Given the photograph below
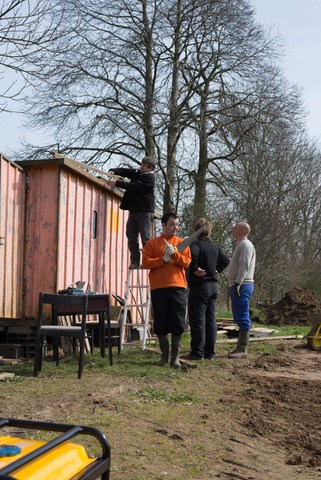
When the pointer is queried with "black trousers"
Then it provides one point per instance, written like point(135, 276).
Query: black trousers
point(138, 224)
point(202, 320)
point(169, 309)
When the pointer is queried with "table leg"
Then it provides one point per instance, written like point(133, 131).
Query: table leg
point(102, 334)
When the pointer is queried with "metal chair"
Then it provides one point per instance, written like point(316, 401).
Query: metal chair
point(78, 305)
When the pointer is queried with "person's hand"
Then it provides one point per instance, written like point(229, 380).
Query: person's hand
point(200, 272)
point(236, 289)
point(111, 183)
point(169, 248)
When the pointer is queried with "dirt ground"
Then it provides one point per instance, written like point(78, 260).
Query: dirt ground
point(293, 308)
point(250, 419)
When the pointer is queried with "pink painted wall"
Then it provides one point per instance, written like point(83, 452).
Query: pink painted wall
point(101, 261)
point(60, 248)
point(40, 271)
point(12, 211)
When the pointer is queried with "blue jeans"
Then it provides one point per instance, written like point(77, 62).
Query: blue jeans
point(241, 306)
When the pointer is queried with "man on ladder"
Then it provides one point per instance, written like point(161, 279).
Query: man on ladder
point(139, 199)
point(168, 285)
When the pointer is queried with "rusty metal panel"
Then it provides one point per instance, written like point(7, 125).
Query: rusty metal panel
point(41, 235)
point(75, 230)
point(12, 201)
point(91, 241)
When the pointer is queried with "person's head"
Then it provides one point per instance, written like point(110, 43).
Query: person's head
point(240, 231)
point(170, 224)
point(147, 164)
point(203, 222)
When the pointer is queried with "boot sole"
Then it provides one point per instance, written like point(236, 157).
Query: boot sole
point(237, 355)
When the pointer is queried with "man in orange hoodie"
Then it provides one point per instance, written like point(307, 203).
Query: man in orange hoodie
point(168, 286)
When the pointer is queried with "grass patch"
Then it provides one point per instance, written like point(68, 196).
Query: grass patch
point(132, 363)
point(264, 348)
point(224, 314)
point(286, 330)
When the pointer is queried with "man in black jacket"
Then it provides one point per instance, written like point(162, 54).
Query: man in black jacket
point(207, 261)
point(139, 199)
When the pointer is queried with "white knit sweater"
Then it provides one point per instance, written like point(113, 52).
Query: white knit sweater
point(242, 265)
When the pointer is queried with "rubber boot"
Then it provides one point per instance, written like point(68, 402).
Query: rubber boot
point(164, 346)
point(176, 347)
point(241, 348)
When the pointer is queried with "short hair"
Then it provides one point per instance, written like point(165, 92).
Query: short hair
point(201, 222)
point(245, 227)
point(167, 216)
point(150, 162)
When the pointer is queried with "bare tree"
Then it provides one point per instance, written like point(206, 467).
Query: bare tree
point(130, 77)
point(227, 55)
point(273, 185)
point(23, 29)
point(96, 83)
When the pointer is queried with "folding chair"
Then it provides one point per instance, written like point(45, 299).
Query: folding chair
point(74, 304)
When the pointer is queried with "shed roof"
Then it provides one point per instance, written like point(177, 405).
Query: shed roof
point(10, 161)
point(80, 168)
point(77, 167)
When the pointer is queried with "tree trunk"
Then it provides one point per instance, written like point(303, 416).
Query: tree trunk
point(199, 209)
point(149, 89)
point(173, 125)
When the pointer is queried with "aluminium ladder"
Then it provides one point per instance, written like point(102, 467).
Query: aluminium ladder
point(137, 296)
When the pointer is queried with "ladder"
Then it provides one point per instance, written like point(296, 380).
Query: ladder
point(137, 296)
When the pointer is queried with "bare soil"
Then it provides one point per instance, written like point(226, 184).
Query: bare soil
point(293, 308)
point(250, 419)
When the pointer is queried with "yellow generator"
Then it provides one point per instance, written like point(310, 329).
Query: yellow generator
point(314, 335)
point(58, 459)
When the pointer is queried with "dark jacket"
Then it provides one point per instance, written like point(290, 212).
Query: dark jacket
point(209, 257)
point(139, 192)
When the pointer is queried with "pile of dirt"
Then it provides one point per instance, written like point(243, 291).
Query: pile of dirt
point(293, 308)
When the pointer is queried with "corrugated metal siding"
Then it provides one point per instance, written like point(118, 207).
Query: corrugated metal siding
point(41, 235)
point(59, 245)
point(101, 261)
point(12, 201)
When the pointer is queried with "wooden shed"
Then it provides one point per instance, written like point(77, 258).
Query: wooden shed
point(12, 238)
point(59, 224)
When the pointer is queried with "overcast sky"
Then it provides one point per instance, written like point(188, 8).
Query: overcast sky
point(297, 21)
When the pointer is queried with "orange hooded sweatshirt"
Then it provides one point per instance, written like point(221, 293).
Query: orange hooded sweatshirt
point(165, 275)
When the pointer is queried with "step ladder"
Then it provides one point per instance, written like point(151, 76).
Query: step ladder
point(137, 298)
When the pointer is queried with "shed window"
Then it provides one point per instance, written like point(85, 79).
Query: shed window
point(94, 224)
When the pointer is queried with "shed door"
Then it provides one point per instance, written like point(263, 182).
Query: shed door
point(12, 220)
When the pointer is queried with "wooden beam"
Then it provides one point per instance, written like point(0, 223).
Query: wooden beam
point(263, 339)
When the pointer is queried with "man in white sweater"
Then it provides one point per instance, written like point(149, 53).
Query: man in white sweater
point(241, 285)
